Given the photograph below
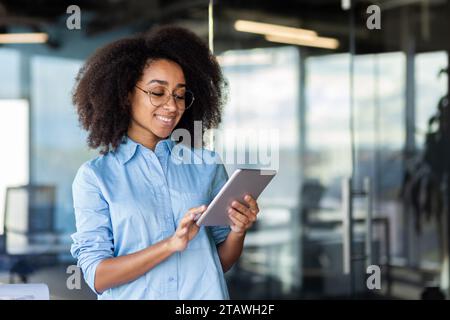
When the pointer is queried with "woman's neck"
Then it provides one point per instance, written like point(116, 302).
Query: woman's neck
point(147, 139)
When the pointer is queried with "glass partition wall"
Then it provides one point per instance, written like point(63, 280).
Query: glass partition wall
point(351, 121)
point(399, 61)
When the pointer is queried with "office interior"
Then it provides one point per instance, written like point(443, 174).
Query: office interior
point(360, 109)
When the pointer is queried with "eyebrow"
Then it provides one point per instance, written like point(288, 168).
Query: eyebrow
point(165, 83)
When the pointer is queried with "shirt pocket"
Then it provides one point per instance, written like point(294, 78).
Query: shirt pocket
point(183, 201)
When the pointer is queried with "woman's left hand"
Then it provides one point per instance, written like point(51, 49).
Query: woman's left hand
point(243, 215)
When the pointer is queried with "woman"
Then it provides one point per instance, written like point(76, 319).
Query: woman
point(134, 206)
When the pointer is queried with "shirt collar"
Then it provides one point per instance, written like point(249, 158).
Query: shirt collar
point(128, 147)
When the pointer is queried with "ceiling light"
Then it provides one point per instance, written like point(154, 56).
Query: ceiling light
point(273, 29)
point(23, 37)
point(318, 42)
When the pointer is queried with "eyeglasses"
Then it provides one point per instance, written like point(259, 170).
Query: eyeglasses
point(160, 95)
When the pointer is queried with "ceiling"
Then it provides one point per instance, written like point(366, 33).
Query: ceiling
point(424, 21)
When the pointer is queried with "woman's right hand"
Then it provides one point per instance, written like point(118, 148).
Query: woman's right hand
point(187, 229)
point(116, 271)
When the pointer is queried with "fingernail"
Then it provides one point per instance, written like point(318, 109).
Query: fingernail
point(230, 211)
point(247, 197)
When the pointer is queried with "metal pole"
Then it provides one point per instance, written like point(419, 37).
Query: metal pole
point(347, 232)
point(368, 242)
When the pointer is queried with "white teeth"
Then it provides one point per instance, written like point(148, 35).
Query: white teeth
point(165, 119)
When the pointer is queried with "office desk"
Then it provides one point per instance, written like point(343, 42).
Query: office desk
point(38, 249)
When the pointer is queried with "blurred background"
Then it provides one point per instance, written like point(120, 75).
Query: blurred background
point(357, 89)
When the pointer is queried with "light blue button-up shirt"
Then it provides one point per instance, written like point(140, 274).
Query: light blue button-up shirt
point(134, 197)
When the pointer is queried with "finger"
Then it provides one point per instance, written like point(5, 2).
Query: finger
point(182, 232)
point(251, 216)
point(239, 206)
point(184, 220)
point(239, 216)
point(187, 220)
point(193, 211)
point(237, 223)
point(200, 209)
point(252, 203)
point(192, 214)
point(185, 224)
point(198, 212)
point(194, 226)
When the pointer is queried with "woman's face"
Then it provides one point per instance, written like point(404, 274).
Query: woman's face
point(148, 120)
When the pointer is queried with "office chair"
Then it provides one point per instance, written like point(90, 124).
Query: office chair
point(28, 225)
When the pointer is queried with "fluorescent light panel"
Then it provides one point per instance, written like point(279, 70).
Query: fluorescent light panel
point(288, 35)
point(318, 42)
point(23, 37)
point(273, 29)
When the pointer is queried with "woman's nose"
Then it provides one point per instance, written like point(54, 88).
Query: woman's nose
point(170, 105)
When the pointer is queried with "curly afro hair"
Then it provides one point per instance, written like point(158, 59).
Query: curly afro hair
point(103, 83)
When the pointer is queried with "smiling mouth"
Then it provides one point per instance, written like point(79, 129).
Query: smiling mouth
point(165, 120)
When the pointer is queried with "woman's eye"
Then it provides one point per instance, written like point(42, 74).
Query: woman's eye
point(178, 97)
point(158, 94)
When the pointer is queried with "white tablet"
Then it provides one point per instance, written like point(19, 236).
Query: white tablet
point(241, 182)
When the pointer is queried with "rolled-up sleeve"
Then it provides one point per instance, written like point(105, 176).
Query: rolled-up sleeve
point(93, 239)
point(219, 233)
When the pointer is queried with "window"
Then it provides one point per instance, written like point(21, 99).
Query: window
point(14, 141)
point(9, 74)
point(59, 145)
point(430, 87)
point(263, 93)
